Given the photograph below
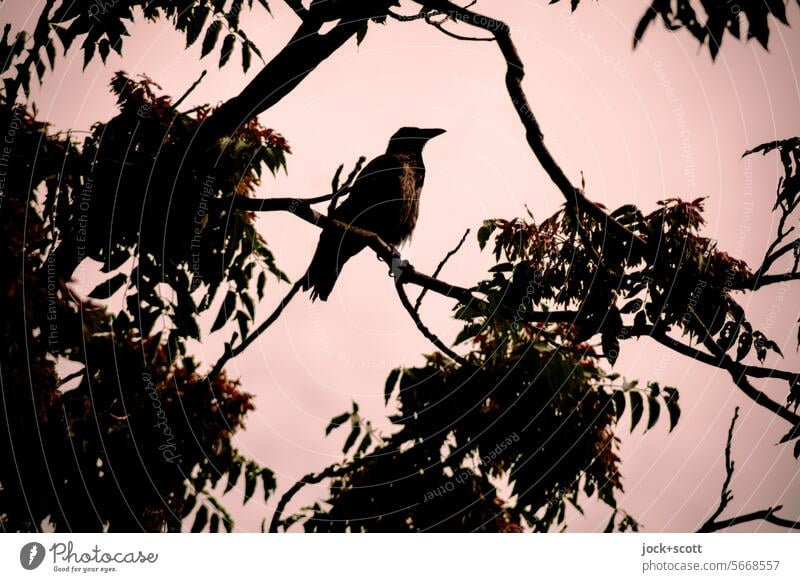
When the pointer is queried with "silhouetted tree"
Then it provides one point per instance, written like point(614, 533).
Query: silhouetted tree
point(111, 425)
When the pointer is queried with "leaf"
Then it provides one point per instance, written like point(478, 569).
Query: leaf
point(227, 49)
point(632, 306)
point(391, 382)
point(247, 301)
point(610, 525)
point(200, 519)
point(336, 422)
point(246, 56)
point(728, 335)
point(250, 481)
point(362, 33)
point(365, 443)
point(354, 433)
point(195, 25)
point(469, 331)
point(234, 473)
point(654, 412)
point(188, 505)
point(745, 343)
point(210, 39)
point(637, 408)
point(673, 408)
point(225, 311)
point(104, 48)
point(611, 329)
point(262, 281)
point(619, 403)
point(640, 320)
point(107, 288)
point(792, 434)
point(645, 21)
point(50, 49)
point(484, 232)
point(268, 480)
point(213, 525)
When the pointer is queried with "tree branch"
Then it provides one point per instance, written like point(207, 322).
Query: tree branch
point(738, 372)
point(439, 268)
point(726, 496)
point(231, 352)
point(302, 209)
point(434, 339)
point(310, 479)
point(515, 73)
point(764, 280)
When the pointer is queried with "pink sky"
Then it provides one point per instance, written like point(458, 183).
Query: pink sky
point(642, 126)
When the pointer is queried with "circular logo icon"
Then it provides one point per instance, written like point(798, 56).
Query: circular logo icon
point(31, 555)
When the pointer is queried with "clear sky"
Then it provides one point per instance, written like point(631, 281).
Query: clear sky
point(641, 125)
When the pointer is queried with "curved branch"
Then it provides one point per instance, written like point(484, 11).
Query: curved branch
point(726, 496)
point(738, 372)
point(310, 479)
point(434, 339)
point(515, 73)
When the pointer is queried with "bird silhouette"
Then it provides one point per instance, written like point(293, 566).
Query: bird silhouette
point(384, 199)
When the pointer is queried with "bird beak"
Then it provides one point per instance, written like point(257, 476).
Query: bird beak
point(431, 133)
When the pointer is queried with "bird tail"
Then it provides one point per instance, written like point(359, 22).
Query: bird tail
point(321, 274)
point(333, 251)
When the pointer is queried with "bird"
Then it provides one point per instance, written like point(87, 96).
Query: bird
point(384, 199)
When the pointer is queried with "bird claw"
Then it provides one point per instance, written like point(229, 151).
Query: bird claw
point(397, 267)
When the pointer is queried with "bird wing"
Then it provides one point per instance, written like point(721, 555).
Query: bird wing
point(379, 200)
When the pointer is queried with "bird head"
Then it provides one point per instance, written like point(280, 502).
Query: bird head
point(412, 138)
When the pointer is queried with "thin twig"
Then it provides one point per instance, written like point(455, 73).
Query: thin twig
point(515, 73)
point(72, 376)
point(233, 352)
point(188, 91)
point(310, 479)
point(339, 191)
point(738, 372)
point(726, 496)
point(432, 337)
point(439, 268)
